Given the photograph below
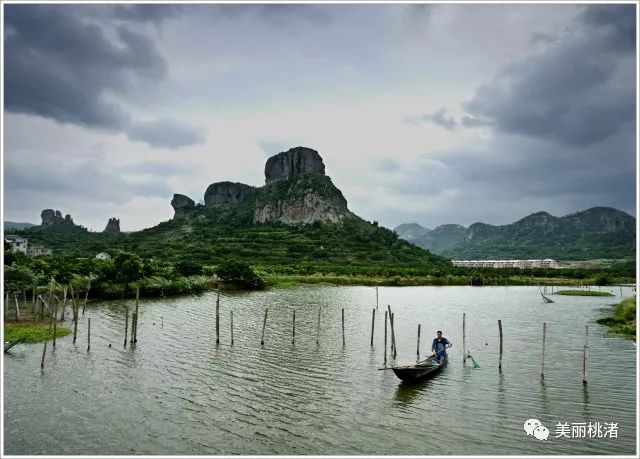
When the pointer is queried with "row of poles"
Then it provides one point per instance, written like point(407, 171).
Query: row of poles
point(388, 319)
point(76, 314)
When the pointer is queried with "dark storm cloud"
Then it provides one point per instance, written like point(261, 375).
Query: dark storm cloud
point(577, 92)
point(62, 66)
point(164, 133)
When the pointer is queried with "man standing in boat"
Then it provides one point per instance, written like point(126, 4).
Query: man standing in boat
point(439, 347)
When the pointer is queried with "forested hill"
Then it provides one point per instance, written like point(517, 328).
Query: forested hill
point(298, 222)
point(598, 232)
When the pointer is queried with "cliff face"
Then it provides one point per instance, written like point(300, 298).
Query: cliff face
point(296, 191)
point(113, 226)
point(51, 217)
point(288, 164)
point(307, 198)
point(228, 192)
point(181, 205)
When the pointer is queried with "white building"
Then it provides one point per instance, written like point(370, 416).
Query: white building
point(17, 244)
point(522, 264)
point(35, 250)
point(103, 256)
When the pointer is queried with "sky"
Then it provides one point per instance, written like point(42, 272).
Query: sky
point(435, 114)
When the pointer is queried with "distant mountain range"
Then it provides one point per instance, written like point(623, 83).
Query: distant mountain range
point(17, 226)
point(598, 232)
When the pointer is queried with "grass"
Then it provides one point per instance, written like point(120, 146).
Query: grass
point(583, 293)
point(32, 333)
point(623, 321)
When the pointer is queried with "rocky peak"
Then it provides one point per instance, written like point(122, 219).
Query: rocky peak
point(228, 192)
point(50, 217)
point(298, 160)
point(181, 205)
point(113, 226)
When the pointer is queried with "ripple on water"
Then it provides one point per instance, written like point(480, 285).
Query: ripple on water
point(176, 392)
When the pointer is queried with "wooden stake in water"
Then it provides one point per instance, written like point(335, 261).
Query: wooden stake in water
point(218, 317)
point(385, 336)
point(264, 325)
point(373, 323)
point(393, 334)
point(318, 330)
point(293, 336)
point(584, 354)
point(44, 352)
point(64, 304)
point(418, 348)
point(88, 334)
point(343, 343)
point(55, 324)
point(500, 358)
point(86, 296)
point(135, 331)
point(544, 340)
point(232, 327)
point(126, 325)
point(464, 337)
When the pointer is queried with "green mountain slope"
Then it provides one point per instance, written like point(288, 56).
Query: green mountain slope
point(599, 232)
point(298, 222)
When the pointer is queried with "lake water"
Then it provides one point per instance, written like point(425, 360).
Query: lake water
point(176, 392)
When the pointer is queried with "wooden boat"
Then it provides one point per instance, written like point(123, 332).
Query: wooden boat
point(423, 369)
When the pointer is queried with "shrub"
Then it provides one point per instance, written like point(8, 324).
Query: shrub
point(240, 274)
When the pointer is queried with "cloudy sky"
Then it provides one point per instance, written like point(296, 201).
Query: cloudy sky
point(423, 113)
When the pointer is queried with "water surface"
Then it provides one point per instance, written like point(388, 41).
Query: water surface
point(176, 392)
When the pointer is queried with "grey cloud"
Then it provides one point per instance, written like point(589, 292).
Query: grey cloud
point(98, 182)
point(154, 13)
point(438, 117)
point(576, 93)
point(164, 133)
point(62, 66)
point(474, 121)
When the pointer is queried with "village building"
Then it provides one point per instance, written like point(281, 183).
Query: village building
point(103, 256)
point(522, 264)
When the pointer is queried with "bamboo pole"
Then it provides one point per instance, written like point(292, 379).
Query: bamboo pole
point(44, 352)
point(15, 297)
point(88, 334)
point(6, 305)
point(55, 324)
point(393, 335)
point(343, 343)
point(584, 354)
point(86, 296)
point(135, 332)
point(318, 330)
point(126, 325)
point(264, 326)
point(218, 317)
point(464, 337)
point(232, 327)
point(293, 337)
point(418, 348)
point(385, 336)
point(376, 297)
point(64, 303)
point(544, 340)
point(373, 323)
point(500, 358)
